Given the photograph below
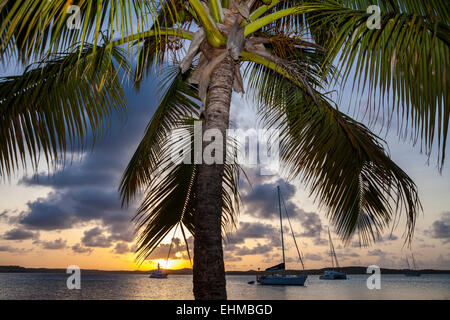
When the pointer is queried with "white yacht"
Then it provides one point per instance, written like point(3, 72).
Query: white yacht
point(278, 275)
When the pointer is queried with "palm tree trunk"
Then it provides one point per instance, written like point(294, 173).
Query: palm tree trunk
point(209, 270)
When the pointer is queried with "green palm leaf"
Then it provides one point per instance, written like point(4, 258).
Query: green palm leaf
point(170, 197)
point(405, 63)
point(179, 101)
point(340, 160)
point(55, 103)
point(29, 28)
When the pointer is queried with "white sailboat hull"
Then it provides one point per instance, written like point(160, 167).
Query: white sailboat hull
point(285, 280)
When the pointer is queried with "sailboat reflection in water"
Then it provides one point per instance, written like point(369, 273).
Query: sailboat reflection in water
point(279, 276)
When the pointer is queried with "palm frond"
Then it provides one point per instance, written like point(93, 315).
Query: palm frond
point(344, 165)
point(170, 197)
point(53, 105)
point(29, 28)
point(153, 49)
point(405, 63)
point(179, 101)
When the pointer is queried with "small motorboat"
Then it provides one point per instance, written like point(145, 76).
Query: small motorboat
point(251, 282)
point(158, 274)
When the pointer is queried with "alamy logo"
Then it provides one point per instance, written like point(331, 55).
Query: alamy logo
point(374, 21)
point(374, 281)
point(74, 20)
point(252, 148)
point(74, 281)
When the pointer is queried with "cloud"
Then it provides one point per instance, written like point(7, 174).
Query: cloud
point(19, 234)
point(95, 238)
point(390, 237)
point(376, 252)
point(7, 248)
point(262, 200)
point(440, 262)
point(228, 257)
point(54, 245)
point(440, 229)
point(177, 250)
point(67, 209)
point(313, 256)
point(311, 223)
point(4, 215)
point(234, 244)
point(258, 249)
point(85, 191)
point(349, 255)
point(357, 244)
point(78, 248)
point(121, 248)
point(253, 230)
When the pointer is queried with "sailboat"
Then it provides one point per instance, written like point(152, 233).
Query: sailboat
point(412, 272)
point(279, 276)
point(159, 274)
point(333, 274)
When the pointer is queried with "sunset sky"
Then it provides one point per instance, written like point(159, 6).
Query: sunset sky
point(74, 217)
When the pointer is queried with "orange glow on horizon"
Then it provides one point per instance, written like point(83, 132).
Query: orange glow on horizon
point(170, 264)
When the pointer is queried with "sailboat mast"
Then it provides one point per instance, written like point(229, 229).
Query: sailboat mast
point(414, 261)
point(281, 225)
point(331, 249)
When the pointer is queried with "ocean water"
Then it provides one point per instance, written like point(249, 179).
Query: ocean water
point(123, 286)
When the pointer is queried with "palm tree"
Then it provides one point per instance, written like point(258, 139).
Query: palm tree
point(290, 52)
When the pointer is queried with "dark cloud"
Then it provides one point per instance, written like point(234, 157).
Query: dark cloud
point(234, 247)
point(311, 224)
point(65, 210)
point(440, 229)
point(95, 238)
point(121, 248)
point(86, 191)
point(47, 214)
point(262, 201)
point(54, 245)
point(6, 248)
point(247, 230)
point(228, 257)
point(78, 248)
point(4, 215)
point(19, 234)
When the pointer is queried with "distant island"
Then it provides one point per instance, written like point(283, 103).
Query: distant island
point(188, 271)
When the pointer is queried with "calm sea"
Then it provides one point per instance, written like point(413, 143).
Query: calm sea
point(122, 286)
